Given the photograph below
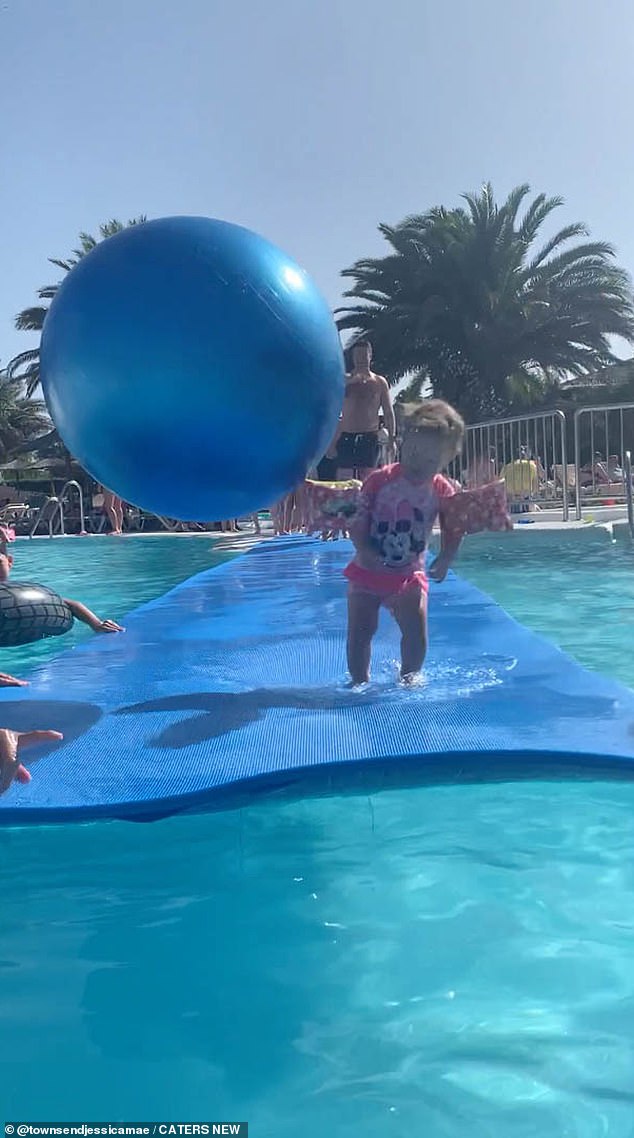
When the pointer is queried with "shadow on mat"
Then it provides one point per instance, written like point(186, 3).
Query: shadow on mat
point(219, 713)
point(72, 719)
point(222, 712)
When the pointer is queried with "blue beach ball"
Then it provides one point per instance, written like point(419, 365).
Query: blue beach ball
point(193, 368)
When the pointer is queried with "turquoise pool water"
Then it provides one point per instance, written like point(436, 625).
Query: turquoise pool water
point(112, 576)
point(442, 962)
point(578, 594)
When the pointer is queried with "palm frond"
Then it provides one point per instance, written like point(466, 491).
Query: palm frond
point(513, 202)
point(568, 233)
point(31, 319)
point(537, 213)
point(65, 266)
point(23, 360)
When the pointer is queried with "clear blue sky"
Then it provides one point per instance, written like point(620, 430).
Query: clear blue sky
point(308, 120)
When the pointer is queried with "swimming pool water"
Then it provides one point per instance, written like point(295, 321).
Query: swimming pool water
point(441, 961)
point(579, 595)
point(112, 576)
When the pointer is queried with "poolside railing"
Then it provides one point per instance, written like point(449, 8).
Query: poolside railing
point(52, 511)
point(47, 512)
point(603, 435)
point(64, 499)
point(529, 450)
point(627, 471)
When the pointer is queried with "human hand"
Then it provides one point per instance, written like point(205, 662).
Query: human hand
point(10, 742)
point(438, 571)
point(11, 682)
point(107, 626)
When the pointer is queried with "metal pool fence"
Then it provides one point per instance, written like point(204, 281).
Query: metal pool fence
point(602, 435)
point(528, 451)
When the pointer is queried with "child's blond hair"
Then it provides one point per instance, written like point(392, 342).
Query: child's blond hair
point(435, 416)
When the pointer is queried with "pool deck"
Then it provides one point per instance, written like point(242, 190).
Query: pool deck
point(607, 523)
point(241, 541)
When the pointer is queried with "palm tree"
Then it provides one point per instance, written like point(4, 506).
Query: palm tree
point(21, 418)
point(466, 302)
point(26, 365)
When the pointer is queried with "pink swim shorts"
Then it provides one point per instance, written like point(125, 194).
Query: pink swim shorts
point(386, 584)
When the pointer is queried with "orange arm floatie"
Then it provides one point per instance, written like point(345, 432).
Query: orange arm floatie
point(328, 504)
point(474, 511)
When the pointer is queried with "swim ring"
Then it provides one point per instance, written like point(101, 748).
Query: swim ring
point(30, 612)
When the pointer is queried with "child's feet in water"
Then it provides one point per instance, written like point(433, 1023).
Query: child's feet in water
point(352, 685)
point(412, 680)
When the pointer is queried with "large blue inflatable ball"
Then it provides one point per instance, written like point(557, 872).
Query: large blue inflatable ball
point(193, 368)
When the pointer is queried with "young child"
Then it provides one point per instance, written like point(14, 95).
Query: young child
point(79, 611)
point(399, 505)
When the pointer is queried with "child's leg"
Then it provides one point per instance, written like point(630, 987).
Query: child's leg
point(363, 620)
point(410, 612)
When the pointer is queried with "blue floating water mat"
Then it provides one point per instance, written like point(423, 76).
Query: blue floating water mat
point(231, 688)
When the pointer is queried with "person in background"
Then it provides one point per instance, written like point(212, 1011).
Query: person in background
point(356, 445)
point(541, 472)
point(386, 444)
point(483, 470)
point(286, 514)
point(79, 611)
point(521, 477)
point(595, 472)
point(113, 509)
point(326, 469)
point(615, 470)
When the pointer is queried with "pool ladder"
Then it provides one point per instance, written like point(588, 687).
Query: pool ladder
point(627, 479)
point(53, 506)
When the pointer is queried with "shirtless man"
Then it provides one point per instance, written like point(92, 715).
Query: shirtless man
point(356, 444)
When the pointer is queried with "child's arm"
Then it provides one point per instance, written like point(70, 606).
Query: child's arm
point(450, 535)
point(449, 546)
point(359, 531)
point(359, 526)
point(80, 612)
